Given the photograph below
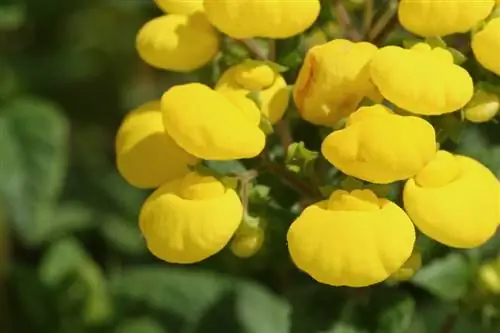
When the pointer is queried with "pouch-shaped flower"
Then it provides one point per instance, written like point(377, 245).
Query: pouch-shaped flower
point(421, 80)
point(333, 80)
point(177, 42)
point(256, 18)
point(486, 46)
point(352, 239)
point(432, 18)
point(380, 146)
point(182, 7)
point(208, 125)
point(190, 219)
point(483, 107)
point(146, 156)
point(454, 200)
point(261, 79)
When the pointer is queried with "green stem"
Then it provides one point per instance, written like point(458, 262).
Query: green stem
point(253, 48)
point(345, 22)
point(368, 16)
point(385, 24)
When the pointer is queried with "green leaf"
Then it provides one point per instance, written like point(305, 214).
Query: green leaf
point(141, 325)
point(436, 42)
point(61, 261)
point(458, 57)
point(447, 278)
point(123, 235)
point(12, 15)
point(33, 146)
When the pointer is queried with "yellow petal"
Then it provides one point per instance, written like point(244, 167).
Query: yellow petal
point(333, 80)
point(486, 46)
point(182, 7)
point(208, 125)
point(440, 18)
point(379, 146)
point(425, 82)
point(270, 88)
point(483, 107)
point(351, 247)
point(187, 229)
point(177, 42)
point(256, 18)
point(462, 212)
point(146, 156)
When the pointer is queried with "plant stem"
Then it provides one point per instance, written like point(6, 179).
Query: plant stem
point(368, 16)
point(345, 22)
point(385, 24)
point(271, 50)
point(253, 48)
point(245, 179)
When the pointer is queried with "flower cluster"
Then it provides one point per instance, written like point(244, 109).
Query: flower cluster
point(385, 97)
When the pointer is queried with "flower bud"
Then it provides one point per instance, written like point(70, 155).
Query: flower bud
point(483, 107)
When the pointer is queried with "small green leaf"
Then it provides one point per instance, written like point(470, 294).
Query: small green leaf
point(255, 97)
point(458, 57)
point(265, 125)
point(33, 146)
point(447, 278)
point(350, 183)
point(436, 42)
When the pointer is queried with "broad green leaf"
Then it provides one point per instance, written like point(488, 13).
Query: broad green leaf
point(123, 235)
point(447, 278)
point(182, 292)
point(33, 146)
point(12, 15)
point(259, 311)
point(140, 325)
point(60, 261)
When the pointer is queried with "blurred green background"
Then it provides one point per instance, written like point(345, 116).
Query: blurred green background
point(72, 259)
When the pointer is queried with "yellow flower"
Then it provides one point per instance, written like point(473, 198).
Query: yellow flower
point(454, 200)
point(208, 125)
point(353, 239)
point(483, 107)
point(190, 219)
point(333, 80)
point(256, 18)
point(379, 146)
point(440, 18)
point(486, 46)
point(177, 42)
point(421, 80)
point(146, 156)
point(256, 77)
point(182, 7)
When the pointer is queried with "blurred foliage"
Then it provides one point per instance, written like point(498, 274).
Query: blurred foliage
point(71, 255)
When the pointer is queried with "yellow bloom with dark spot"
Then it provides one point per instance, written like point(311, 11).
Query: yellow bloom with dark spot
point(146, 156)
point(177, 42)
point(486, 46)
point(454, 200)
point(182, 7)
point(441, 18)
point(260, 78)
point(190, 219)
point(421, 80)
point(256, 18)
point(208, 125)
point(352, 239)
point(333, 80)
point(381, 147)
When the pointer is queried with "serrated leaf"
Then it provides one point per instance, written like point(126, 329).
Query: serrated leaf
point(33, 147)
point(447, 278)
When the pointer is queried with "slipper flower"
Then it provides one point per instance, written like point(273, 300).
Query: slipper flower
point(256, 18)
point(256, 77)
point(146, 156)
point(182, 7)
point(177, 42)
point(380, 146)
point(421, 80)
point(441, 18)
point(333, 80)
point(486, 46)
point(208, 125)
point(454, 200)
point(352, 239)
point(190, 219)
point(483, 107)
